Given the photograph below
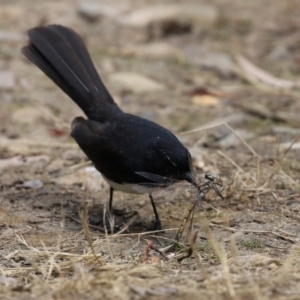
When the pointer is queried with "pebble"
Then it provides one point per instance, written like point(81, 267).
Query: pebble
point(219, 62)
point(73, 154)
point(39, 160)
point(33, 184)
point(175, 13)
point(150, 15)
point(157, 21)
point(155, 50)
point(8, 36)
point(7, 80)
point(92, 11)
point(29, 115)
point(89, 178)
point(136, 82)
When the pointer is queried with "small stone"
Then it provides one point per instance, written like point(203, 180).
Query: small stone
point(8, 281)
point(7, 80)
point(146, 16)
point(216, 61)
point(36, 164)
point(39, 161)
point(156, 21)
point(89, 178)
point(108, 67)
point(33, 184)
point(28, 115)
point(9, 232)
point(8, 36)
point(92, 11)
point(279, 52)
point(73, 154)
point(55, 166)
point(136, 82)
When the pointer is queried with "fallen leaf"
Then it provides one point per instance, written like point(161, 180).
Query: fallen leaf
point(206, 100)
point(57, 132)
point(207, 91)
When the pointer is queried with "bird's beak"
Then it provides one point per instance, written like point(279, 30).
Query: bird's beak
point(189, 177)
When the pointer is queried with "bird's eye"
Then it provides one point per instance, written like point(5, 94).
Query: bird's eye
point(210, 176)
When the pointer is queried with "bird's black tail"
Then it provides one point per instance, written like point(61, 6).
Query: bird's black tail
point(61, 54)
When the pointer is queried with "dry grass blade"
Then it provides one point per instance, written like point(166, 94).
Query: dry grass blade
point(210, 182)
point(258, 231)
point(277, 167)
point(134, 216)
point(265, 112)
point(229, 127)
point(186, 217)
point(252, 249)
point(231, 161)
point(220, 252)
point(253, 71)
point(83, 217)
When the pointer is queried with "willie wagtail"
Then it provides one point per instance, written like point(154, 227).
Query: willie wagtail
point(123, 147)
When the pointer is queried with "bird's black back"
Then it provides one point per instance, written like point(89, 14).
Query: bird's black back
point(119, 144)
point(133, 144)
point(61, 54)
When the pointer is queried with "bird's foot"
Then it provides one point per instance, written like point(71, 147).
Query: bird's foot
point(123, 213)
point(156, 225)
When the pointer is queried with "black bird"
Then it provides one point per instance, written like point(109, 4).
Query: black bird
point(123, 147)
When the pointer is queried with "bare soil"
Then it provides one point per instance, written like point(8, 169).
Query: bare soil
point(243, 247)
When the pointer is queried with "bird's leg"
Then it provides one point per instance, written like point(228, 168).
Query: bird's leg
point(118, 212)
point(157, 223)
point(111, 193)
point(111, 211)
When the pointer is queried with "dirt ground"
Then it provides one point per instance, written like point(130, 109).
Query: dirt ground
point(227, 70)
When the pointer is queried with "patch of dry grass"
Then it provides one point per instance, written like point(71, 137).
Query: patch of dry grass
point(245, 247)
point(221, 263)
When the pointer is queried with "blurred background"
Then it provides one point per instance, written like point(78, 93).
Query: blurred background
point(181, 63)
point(227, 70)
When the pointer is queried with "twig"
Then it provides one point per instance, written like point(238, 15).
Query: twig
point(150, 246)
point(256, 231)
point(83, 218)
